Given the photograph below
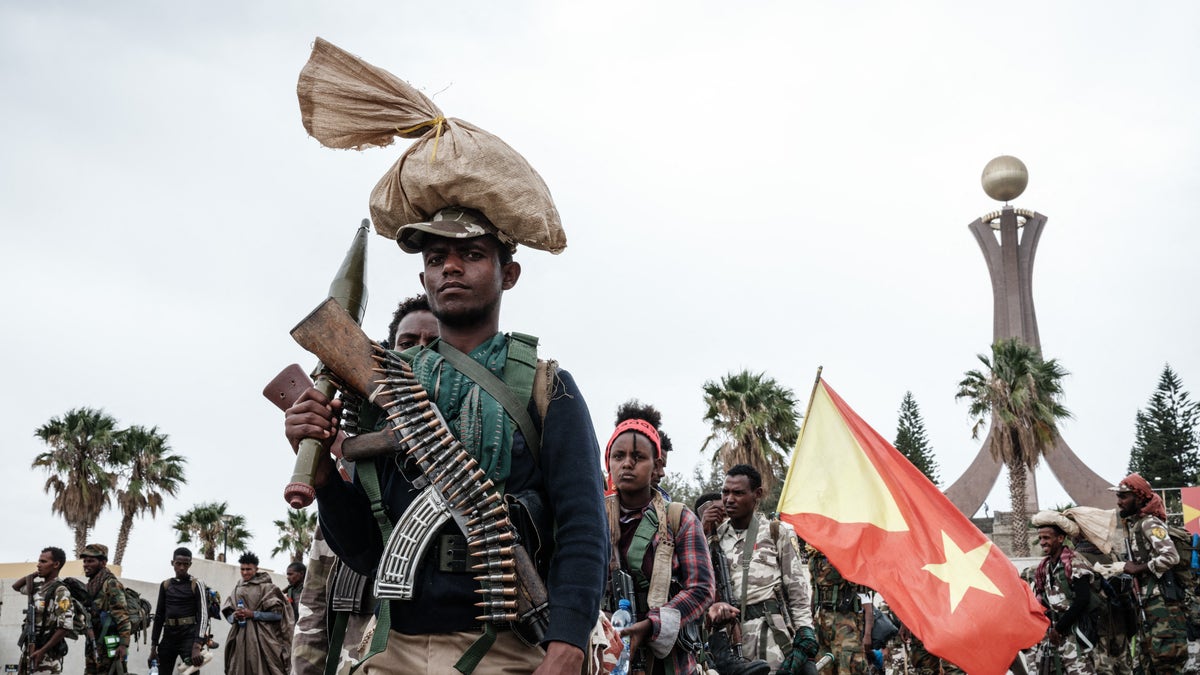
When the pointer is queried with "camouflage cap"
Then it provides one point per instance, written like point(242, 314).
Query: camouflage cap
point(452, 222)
point(94, 551)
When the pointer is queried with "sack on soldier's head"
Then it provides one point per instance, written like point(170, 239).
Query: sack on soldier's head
point(346, 102)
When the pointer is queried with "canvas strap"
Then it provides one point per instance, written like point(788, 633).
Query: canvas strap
point(500, 391)
point(747, 553)
point(369, 479)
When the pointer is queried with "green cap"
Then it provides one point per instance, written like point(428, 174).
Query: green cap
point(94, 551)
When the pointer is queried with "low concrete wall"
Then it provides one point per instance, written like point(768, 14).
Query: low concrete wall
point(219, 576)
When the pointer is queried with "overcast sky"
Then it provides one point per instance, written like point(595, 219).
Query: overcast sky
point(773, 186)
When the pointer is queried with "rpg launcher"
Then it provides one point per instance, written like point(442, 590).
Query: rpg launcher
point(349, 292)
point(452, 484)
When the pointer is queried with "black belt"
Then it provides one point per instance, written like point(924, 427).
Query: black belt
point(182, 621)
point(760, 609)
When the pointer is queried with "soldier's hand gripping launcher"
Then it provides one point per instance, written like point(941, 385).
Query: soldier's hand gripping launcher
point(455, 486)
point(349, 292)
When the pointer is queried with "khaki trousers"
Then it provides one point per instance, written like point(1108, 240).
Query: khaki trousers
point(438, 653)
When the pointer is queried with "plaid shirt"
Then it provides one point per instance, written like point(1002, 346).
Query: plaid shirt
point(691, 566)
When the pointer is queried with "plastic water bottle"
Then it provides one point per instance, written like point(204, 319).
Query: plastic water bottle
point(154, 667)
point(241, 605)
point(622, 619)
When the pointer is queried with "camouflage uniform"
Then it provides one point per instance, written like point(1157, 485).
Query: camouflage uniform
point(1166, 621)
point(310, 642)
point(839, 617)
point(1070, 656)
point(50, 614)
point(109, 616)
point(1111, 655)
point(776, 578)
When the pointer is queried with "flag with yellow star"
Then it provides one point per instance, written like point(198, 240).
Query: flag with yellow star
point(882, 523)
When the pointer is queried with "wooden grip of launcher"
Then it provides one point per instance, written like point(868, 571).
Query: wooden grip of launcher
point(336, 339)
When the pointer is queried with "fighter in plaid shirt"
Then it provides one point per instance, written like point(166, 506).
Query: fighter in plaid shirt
point(639, 519)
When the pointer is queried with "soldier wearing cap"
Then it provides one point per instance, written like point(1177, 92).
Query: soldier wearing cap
point(1152, 554)
point(467, 266)
point(110, 618)
point(1063, 584)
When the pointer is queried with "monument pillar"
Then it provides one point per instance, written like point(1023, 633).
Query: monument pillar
point(1009, 239)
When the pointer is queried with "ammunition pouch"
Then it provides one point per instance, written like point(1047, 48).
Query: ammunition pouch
point(528, 514)
point(1170, 588)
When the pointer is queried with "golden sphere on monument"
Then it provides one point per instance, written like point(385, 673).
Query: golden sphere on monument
point(1004, 178)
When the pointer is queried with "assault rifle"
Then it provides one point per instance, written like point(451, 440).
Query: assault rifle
point(1143, 630)
point(720, 564)
point(29, 634)
point(622, 588)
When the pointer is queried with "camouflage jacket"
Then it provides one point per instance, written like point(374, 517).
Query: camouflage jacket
point(54, 612)
point(109, 613)
point(1150, 543)
point(831, 590)
point(775, 568)
point(1055, 589)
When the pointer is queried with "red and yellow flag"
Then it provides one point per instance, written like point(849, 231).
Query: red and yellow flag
point(884, 525)
point(1191, 508)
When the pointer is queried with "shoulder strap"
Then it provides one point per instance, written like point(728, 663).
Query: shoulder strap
point(674, 517)
point(498, 390)
point(748, 552)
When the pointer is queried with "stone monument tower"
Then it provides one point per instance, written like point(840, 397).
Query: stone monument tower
point(1009, 239)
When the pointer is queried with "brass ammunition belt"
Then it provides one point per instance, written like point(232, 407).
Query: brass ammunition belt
point(421, 437)
point(182, 621)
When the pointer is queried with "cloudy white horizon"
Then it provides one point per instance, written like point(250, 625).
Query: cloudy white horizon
point(772, 185)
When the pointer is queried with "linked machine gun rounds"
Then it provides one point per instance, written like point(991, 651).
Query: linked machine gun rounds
point(452, 485)
point(349, 292)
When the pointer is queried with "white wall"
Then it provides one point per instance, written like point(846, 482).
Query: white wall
point(219, 576)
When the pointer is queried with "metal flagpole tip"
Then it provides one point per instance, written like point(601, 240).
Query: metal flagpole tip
point(1004, 178)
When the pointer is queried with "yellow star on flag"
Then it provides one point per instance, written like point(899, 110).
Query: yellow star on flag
point(962, 570)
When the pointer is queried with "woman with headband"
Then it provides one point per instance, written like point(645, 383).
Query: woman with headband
point(659, 545)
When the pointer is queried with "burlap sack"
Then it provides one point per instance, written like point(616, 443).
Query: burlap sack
point(1098, 525)
point(346, 102)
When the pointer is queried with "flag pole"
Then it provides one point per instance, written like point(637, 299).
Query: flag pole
point(804, 423)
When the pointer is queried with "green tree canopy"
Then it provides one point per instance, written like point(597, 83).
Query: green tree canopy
point(78, 461)
point(149, 470)
point(210, 524)
point(1166, 450)
point(912, 441)
point(754, 421)
point(1019, 392)
point(296, 533)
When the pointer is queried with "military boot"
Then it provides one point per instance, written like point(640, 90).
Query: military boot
point(728, 661)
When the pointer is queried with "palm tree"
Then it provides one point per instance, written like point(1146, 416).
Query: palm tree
point(1019, 393)
point(295, 533)
point(78, 463)
point(755, 421)
point(150, 470)
point(209, 524)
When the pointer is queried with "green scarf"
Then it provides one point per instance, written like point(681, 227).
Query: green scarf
point(476, 419)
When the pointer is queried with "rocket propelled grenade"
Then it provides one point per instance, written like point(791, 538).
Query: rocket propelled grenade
point(349, 291)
